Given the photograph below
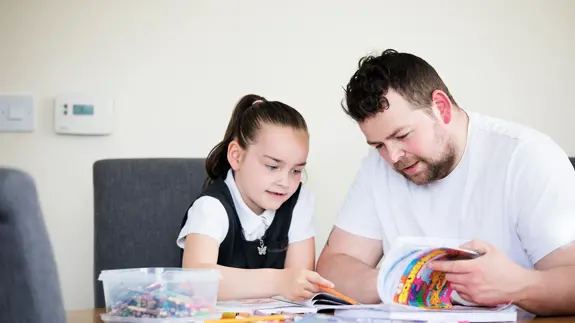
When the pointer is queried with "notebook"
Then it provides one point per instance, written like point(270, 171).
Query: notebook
point(502, 313)
point(279, 304)
point(319, 299)
point(325, 301)
point(250, 305)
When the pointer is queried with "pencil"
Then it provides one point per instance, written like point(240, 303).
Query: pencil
point(250, 319)
point(338, 294)
point(230, 315)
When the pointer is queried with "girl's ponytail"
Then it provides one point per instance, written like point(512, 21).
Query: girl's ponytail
point(217, 164)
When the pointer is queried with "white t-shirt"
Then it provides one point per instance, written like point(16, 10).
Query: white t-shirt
point(514, 188)
point(208, 216)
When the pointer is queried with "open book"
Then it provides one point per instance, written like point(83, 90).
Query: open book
point(278, 304)
point(322, 301)
point(328, 299)
point(405, 279)
point(250, 305)
point(412, 291)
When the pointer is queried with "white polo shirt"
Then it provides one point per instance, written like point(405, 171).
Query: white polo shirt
point(514, 188)
point(208, 216)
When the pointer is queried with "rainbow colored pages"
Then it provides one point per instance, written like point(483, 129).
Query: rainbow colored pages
point(404, 278)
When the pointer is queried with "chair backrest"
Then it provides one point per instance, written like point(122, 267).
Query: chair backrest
point(29, 282)
point(572, 159)
point(139, 205)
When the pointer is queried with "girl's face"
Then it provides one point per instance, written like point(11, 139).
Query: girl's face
point(269, 170)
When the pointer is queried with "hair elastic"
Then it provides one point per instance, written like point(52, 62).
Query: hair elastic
point(257, 102)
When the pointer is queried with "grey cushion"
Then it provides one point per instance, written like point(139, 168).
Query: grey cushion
point(139, 205)
point(29, 282)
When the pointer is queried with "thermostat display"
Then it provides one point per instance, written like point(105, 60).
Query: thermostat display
point(83, 115)
point(83, 110)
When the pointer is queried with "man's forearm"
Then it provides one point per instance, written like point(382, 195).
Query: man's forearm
point(550, 292)
point(351, 277)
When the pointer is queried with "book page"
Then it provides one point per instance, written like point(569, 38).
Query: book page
point(288, 310)
point(323, 300)
point(406, 280)
point(306, 303)
point(250, 304)
point(327, 299)
point(411, 313)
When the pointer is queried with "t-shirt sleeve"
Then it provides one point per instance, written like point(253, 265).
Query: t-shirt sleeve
point(543, 193)
point(206, 216)
point(302, 225)
point(358, 214)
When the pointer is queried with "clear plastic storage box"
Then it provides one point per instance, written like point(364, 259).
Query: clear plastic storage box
point(160, 294)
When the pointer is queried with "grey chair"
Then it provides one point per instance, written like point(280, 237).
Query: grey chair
point(29, 282)
point(139, 205)
point(572, 159)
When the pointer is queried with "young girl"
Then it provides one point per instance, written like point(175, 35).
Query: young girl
point(253, 220)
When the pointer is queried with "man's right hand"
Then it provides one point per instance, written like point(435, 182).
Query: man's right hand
point(301, 284)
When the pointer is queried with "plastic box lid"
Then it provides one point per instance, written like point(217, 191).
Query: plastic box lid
point(120, 319)
point(165, 274)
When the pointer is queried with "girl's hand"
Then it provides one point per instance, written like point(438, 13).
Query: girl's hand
point(301, 284)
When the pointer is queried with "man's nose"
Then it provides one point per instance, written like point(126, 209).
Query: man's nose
point(395, 153)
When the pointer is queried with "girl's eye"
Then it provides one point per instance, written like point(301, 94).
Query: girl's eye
point(297, 171)
point(272, 167)
point(378, 146)
point(403, 136)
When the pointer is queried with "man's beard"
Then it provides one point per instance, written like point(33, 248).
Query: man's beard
point(433, 169)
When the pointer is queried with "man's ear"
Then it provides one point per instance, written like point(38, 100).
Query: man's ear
point(235, 152)
point(443, 105)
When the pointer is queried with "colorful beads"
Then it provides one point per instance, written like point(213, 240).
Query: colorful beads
point(157, 302)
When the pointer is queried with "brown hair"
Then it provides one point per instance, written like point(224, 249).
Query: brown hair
point(248, 115)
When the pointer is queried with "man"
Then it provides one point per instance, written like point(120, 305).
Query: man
point(437, 170)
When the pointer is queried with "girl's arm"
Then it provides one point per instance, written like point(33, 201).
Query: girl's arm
point(201, 251)
point(294, 282)
point(301, 255)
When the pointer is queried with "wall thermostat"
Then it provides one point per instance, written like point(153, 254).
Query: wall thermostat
point(84, 115)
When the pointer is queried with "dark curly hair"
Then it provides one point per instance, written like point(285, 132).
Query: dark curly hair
point(410, 76)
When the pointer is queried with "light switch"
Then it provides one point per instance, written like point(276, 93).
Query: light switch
point(17, 113)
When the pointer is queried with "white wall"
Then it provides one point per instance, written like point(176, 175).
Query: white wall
point(168, 62)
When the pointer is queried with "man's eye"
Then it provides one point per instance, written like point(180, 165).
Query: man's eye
point(403, 136)
point(272, 167)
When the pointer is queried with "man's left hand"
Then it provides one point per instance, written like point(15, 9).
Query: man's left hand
point(488, 280)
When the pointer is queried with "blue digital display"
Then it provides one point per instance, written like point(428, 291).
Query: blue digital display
point(83, 110)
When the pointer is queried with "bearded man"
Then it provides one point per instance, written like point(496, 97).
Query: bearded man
point(437, 170)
